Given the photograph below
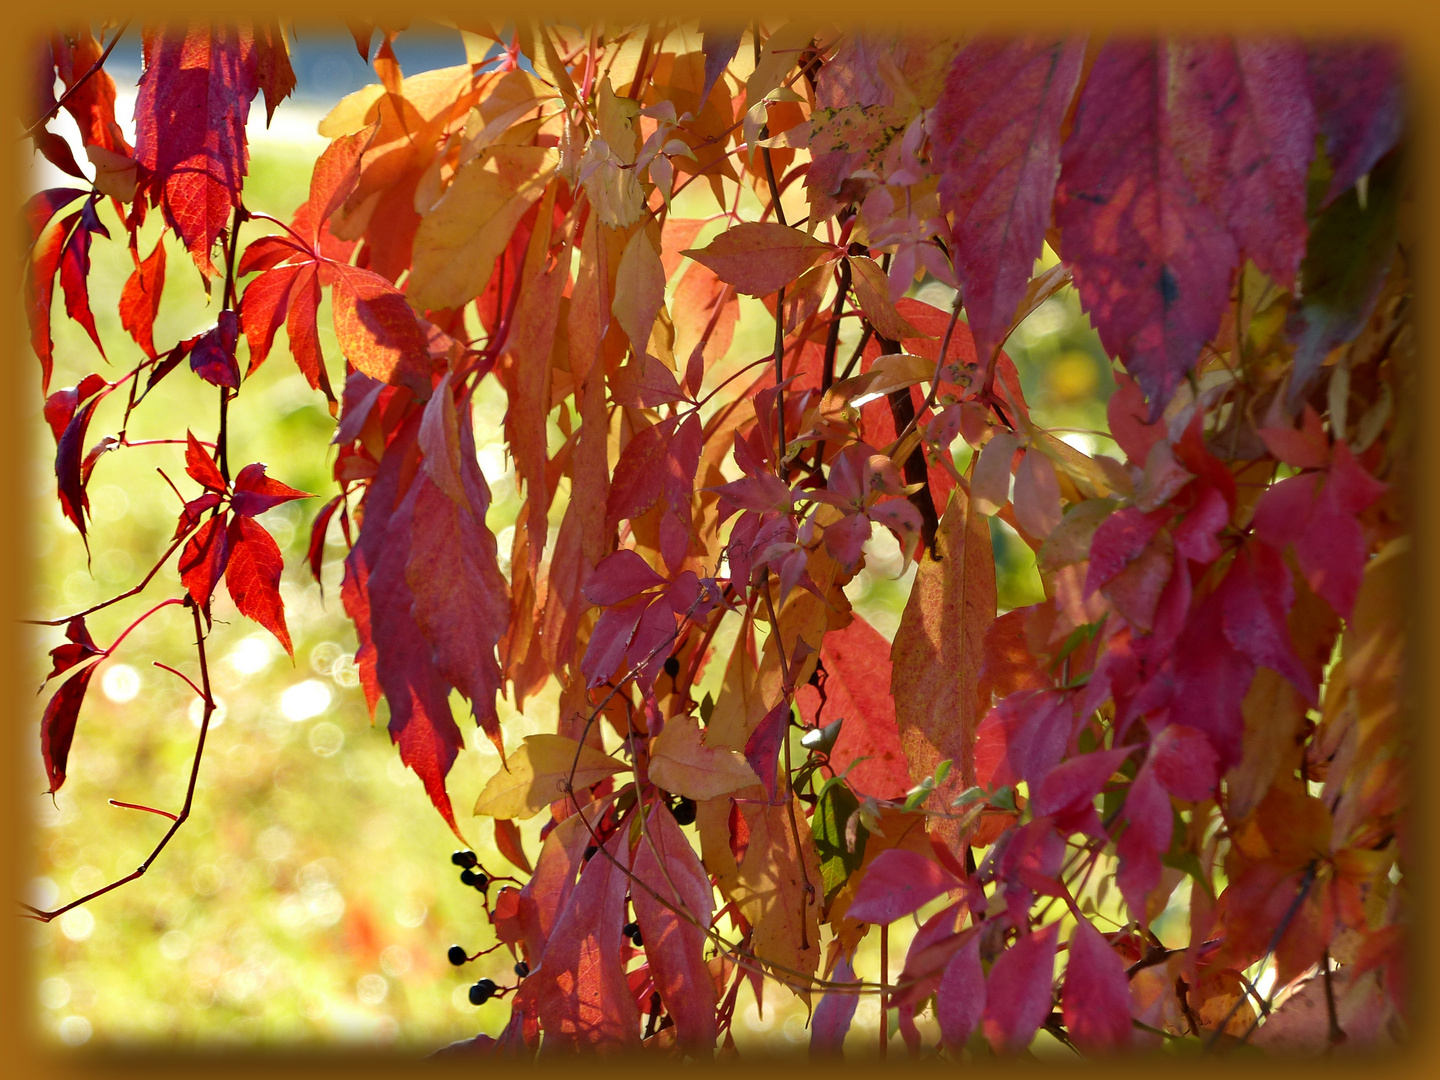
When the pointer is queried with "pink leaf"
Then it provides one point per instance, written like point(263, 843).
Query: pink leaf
point(618, 577)
point(1095, 1000)
point(675, 947)
point(833, 1015)
point(1151, 260)
point(897, 883)
point(997, 144)
point(1018, 993)
point(960, 998)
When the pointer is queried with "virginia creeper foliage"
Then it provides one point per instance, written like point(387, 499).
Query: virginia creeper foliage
point(1210, 692)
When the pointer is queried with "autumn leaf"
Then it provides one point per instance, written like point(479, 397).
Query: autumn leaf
point(57, 726)
point(997, 145)
point(459, 240)
point(760, 257)
point(534, 776)
point(377, 331)
point(674, 946)
point(196, 165)
point(1151, 260)
point(897, 883)
point(937, 648)
point(1018, 992)
point(681, 763)
point(583, 999)
point(252, 574)
point(1095, 1000)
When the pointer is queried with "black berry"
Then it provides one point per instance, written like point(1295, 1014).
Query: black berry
point(684, 811)
point(589, 851)
point(672, 666)
point(464, 859)
point(457, 955)
point(481, 882)
point(632, 931)
point(467, 877)
point(522, 969)
point(482, 991)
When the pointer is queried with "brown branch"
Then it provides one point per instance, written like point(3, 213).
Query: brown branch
point(178, 819)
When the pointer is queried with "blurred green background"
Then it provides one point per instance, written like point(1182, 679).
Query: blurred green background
point(310, 897)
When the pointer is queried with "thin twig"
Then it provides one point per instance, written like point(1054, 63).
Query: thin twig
point(180, 818)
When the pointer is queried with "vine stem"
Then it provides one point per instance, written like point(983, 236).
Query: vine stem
point(177, 819)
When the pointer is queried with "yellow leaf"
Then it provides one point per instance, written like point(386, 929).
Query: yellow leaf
point(681, 763)
point(536, 773)
point(639, 290)
point(896, 371)
point(458, 242)
point(872, 289)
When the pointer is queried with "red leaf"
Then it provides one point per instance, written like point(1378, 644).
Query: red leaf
point(301, 329)
point(682, 463)
point(760, 257)
point(1068, 790)
point(57, 151)
point(610, 639)
point(997, 144)
point(140, 299)
point(1258, 594)
point(1127, 412)
point(192, 511)
point(1019, 995)
point(544, 896)
point(1329, 543)
point(92, 102)
point(510, 844)
point(40, 289)
point(1210, 681)
point(583, 999)
point(315, 553)
point(833, 1015)
point(461, 600)
point(675, 947)
point(1151, 261)
point(81, 647)
point(213, 355)
point(762, 748)
point(263, 308)
point(898, 882)
point(960, 997)
point(75, 271)
point(272, 65)
point(57, 726)
point(420, 720)
point(203, 559)
point(332, 181)
point(201, 467)
point(69, 465)
point(376, 330)
point(41, 208)
point(1358, 104)
point(639, 476)
point(1118, 541)
point(253, 576)
point(1184, 763)
point(1244, 128)
point(190, 113)
point(619, 576)
point(255, 492)
point(856, 685)
point(1095, 1000)
point(1022, 738)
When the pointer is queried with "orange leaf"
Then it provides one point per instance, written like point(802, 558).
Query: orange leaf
point(760, 257)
